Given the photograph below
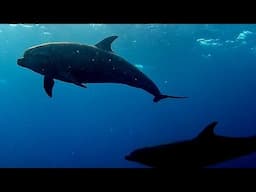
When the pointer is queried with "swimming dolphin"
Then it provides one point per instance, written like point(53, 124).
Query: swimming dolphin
point(204, 150)
point(80, 64)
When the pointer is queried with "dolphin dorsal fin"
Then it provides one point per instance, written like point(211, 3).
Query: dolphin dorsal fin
point(208, 130)
point(105, 44)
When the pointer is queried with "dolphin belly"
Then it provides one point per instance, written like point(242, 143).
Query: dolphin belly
point(116, 72)
point(97, 66)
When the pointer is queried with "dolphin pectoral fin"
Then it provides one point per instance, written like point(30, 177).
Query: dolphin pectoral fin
point(160, 97)
point(48, 85)
point(72, 79)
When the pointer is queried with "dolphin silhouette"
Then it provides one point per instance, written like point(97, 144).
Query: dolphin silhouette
point(80, 64)
point(204, 150)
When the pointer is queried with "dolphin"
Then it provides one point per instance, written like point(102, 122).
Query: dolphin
point(81, 64)
point(204, 150)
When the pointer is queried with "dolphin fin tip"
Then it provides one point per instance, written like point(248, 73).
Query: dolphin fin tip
point(160, 97)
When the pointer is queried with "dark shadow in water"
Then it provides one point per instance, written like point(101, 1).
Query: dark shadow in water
point(206, 149)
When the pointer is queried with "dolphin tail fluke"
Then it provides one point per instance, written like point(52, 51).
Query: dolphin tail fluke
point(160, 97)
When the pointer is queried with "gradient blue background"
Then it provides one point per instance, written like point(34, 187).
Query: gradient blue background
point(96, 127)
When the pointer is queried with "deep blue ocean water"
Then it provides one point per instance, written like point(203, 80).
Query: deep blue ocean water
point(214, 65)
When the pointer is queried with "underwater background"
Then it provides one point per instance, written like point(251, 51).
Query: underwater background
point(214, 65)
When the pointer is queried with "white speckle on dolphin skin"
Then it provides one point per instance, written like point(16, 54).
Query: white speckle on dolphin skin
point(135, 78)
point(109, 60)
point(113, 68)
point(77, 51)
point(93, 59)
point(43, 69)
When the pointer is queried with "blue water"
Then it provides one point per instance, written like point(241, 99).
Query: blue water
point(215, 65)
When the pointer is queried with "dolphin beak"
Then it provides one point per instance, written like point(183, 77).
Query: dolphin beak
point(128, 157)
point(20, 62)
